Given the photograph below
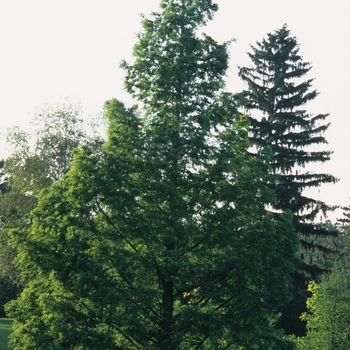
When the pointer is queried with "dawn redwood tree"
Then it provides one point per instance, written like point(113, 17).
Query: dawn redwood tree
point(160, 240)
point(275, 99)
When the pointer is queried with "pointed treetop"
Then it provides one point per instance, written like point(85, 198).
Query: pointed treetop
point(173, 64)
point(279, 53)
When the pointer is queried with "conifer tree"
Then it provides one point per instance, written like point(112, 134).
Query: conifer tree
point(343, 223)
point(343, 241)
point(275, 89)
point(160, 240)
point(276, 99)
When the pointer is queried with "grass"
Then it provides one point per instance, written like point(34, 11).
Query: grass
point(5, 331)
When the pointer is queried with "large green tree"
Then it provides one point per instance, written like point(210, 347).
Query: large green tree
point(275, 99)
point(276, 89)
point(160, 240)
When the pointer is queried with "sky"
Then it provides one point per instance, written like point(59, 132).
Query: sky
point(53, 49)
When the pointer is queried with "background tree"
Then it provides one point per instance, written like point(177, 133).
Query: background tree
point(277, 91)
point(343, 241)
point(41, 155)
point(9, 276)
point(160, 240)
point(328, 313)
point(37, 158)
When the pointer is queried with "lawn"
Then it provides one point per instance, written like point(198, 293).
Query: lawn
point(5, 330)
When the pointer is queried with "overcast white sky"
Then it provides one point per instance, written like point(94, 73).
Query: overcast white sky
point(50, 49)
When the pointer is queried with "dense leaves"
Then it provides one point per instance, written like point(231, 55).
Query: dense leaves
point(37, 158)
point(328, 313)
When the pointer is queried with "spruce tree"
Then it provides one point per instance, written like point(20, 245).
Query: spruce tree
point(160, 240)
point(275, 99)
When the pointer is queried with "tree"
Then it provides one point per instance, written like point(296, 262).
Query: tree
point(277, 91)
point(160, 240)
point(38, 158)
point(343, 241)
point(328, 313)
point(3, 183)
point(43, 154)
point(9, 276)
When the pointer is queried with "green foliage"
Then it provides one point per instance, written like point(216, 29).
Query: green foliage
point(9, 275)
point(343, 223)
point(275, 89)
point(123, 265)
point(276, 97)
point(343, 241)
point(43, 154)
point(328, 315)
point(37, 159)
point(160, 239)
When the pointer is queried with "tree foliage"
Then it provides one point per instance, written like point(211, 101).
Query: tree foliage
point(9, 275)
point(160, 240)
point(37, 158)
point(343, 241)
point(328, 313)
point(41, 155)
point(276, 95)
point(276, 89)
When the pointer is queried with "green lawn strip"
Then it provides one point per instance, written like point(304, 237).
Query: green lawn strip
point(5, 331)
